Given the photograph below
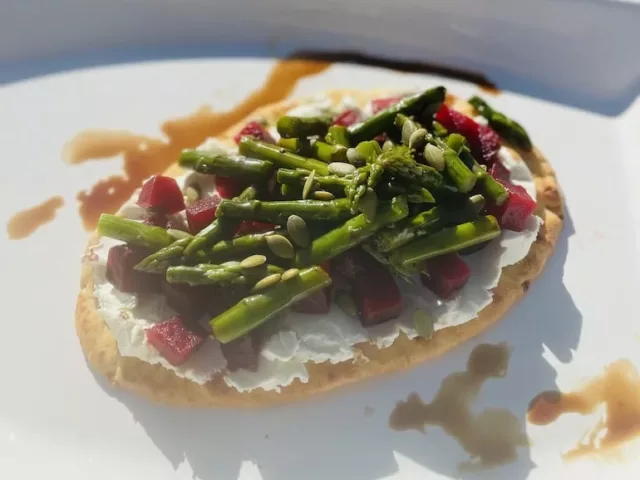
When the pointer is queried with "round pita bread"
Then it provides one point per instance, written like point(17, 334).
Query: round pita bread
point(162, 385)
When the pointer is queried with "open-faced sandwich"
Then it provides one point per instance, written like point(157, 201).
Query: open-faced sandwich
point(321, 242)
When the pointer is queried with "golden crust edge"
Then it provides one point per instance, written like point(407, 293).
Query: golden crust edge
point(161, 385)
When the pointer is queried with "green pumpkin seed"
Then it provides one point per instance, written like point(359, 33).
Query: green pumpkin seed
point(297, 229)
point(369, 205)
point(418, 139)
point(253, 261)
point(323, 195)
point(289, 274)
point(407, 130)
point(345, 302)
point(266, 282)
point(387, 145)
point(178, 234)
point(355, 157)
point(280, 246)
point(308, 185)
point(341, 169)
point(423, 323)
point(434, 157)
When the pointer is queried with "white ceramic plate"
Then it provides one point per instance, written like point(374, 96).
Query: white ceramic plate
point(57, 418)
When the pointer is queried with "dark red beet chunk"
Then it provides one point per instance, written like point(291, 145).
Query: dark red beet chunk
point(347, 118)
point(500, 172)
point(173, 340)
point(120, 272)
point(190, 302)
point(202, 212)
point(319, 302)
point(513, 214)
point(373, 288)
point(228, 187)
point(256, 130)
point(162, 194)
point(446, 275)
point(248, 226)
point(241, 353)
point(483, 140)
point(380, 104)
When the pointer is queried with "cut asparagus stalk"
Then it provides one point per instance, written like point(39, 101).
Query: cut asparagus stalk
point(279, 212)
point(229, 274)
point(337, 135)
point(253, 311)
point(509, 129)
point(328, 153)
point(301, 127)
point(226, 165)
point(280, 156)
point(135, 233)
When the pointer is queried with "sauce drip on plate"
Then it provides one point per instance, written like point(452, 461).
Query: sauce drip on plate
point(492, 436)
point(618, 389)
point(24, 223)
point(145, 156)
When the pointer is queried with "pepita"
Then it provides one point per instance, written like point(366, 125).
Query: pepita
point(418, 139)
point(266, 282)
point(387, 145)
point(341, 169)
point(308, 185)
point(280, 246)
point(323, 195)
point(369, 205)
point(407, 130)
point(289, 274)
point(423, 323)
point(354, 157)
point(178, 234)
point(253, 261)
point(297, 229)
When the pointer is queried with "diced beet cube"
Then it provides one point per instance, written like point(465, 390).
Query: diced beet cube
point(446, 274)
point(380, 104)
point(241, 353)
point(489, 146)
point(500, 172)
point(202, 212)
point(248, 226)
point(373, 288)
point(228, 187)
point(121, 274)
point(318, 302)
point(514, 212)
point(162, 194)
point(191, 302)
point(347, 118)
point(174, 340)
point(256, 130)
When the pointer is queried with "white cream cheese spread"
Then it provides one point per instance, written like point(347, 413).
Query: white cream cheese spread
point(299, 338)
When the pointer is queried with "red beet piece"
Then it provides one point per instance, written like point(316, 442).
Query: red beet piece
point(347, 118)
point(241, 353)
point(373, 288)
point(162, 194)
point(228, 187)
point(489, 145)
point(190, 302)
point(174, 340)
point(500, 172)
point(514, 212)
point(202, 212)
point(256, 130)
point(446, 275)
point(248, 226)
point(120, 272)
point(380, 104)
point(318, 302)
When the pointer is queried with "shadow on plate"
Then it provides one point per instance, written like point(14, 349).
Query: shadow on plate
point(346, 435)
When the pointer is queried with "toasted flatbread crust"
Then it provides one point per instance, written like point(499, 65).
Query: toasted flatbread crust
point(162, 385)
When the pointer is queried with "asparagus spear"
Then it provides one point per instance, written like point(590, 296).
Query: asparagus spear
point(297, 178)
point(278, 212)
point(447, 240)
point(226, 165)
point(337, 135)
point(428, 100)
point(489, 186)
point(505, 126)
point(254, 310)
point(328, 153)
point(242, 246)
point(133, 232)
point(352, 233)
point(369, 150)
point(301, 127)
point(159, 261)
point(425, 223)
point(231, 273)
point(399, 162)
point(301, 146)
point(279, 156)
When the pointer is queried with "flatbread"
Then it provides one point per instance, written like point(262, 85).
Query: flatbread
point(162, 385)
